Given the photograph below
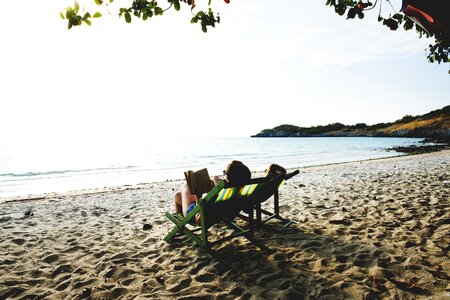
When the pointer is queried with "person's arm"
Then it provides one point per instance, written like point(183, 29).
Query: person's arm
point(215, 180)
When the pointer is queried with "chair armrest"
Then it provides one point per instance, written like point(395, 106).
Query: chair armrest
point(290, 175)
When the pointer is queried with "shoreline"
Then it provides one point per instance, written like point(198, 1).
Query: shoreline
point(118, 188)
point(36, 187)
point(373, 229)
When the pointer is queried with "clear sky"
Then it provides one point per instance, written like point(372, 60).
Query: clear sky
point(267, 63)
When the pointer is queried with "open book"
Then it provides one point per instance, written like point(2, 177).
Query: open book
point(198, 181)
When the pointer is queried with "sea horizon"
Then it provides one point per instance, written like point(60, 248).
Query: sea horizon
point(59, 168)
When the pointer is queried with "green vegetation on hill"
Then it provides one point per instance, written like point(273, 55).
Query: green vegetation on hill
point(435, 124)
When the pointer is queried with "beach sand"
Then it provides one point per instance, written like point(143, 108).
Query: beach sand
point(375, 229)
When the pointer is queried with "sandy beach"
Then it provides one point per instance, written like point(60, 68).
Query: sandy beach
point(375, 229)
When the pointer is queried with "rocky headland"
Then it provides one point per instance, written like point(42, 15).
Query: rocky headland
point(434, 126)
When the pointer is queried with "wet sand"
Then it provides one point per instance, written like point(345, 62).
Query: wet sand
point(375, 229)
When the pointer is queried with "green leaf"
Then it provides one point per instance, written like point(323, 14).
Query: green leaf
point(77, 6)
point(127, 17)
point(86, 16)
point(209, 2)
point(61, 15)
point(98, 2)
point(111, 1)
point(408, 24)
point(204, 29)
point(398, 17)
point(176, 5)
point(87, 22)
point(97, 15)
point(351, 13)
point(340, 9)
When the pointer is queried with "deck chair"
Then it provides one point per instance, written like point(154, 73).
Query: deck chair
point(224, 203)
point(275, 214)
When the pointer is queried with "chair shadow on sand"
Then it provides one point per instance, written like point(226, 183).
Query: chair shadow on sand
point(301, 265)
point(306, 261)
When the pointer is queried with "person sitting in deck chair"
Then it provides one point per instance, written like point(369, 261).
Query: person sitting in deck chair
point(236, 173)
point(275, 169)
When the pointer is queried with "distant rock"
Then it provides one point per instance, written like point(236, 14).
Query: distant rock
point(434, 125)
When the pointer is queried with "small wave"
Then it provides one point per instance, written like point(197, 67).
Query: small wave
point(60, 172)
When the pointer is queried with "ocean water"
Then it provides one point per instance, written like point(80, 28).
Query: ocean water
point(51, 166)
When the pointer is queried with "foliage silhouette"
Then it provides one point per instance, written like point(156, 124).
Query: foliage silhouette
point(146, 9)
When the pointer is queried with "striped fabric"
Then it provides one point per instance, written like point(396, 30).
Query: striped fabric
point(248, 189)
point(228, 193)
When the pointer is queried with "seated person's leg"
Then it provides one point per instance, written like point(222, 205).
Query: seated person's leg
point(178, 202)
point(187, 198)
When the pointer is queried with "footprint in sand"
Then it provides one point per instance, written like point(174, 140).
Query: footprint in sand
point(119, 291)
point(100, 254)
point(51, 258)
point(237, 291)
point(110, 273)
point(342, 258)
point(178, 267)
point(263, 280)
point(205, 277)
point(159, 221)
point(284, 264)
point(19, 242)
point(63, 285)
point(128, 281)
point(180, 286)
point(14, 291)
point(363, 263)
point(7, 262)
point(62, 269)
point(80, 284)
point(5, 219)
point(119, 256)
point(311, 245)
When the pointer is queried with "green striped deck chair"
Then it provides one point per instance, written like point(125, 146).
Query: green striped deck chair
point(225, 203)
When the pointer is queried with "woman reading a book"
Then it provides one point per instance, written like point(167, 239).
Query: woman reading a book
point(236, 173)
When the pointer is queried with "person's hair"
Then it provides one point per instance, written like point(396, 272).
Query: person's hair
point(237, 173)
point(275, 169)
